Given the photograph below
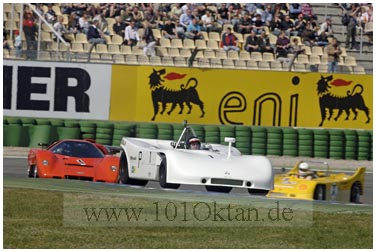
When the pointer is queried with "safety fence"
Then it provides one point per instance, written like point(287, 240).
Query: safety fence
point(277, 141)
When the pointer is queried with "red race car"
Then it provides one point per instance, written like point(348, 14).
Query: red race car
point(75, 159)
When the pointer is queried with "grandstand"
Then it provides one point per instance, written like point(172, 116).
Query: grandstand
point(178, 51)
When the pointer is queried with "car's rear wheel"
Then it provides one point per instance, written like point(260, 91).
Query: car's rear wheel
point(33, 172)
point(258, 192)
point(320, 192)
point(355, 193)
point(222, 189)
point(124, 173)
point(163, 176)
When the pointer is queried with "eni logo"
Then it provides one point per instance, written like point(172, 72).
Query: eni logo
point(353, 100)
point(187, 93)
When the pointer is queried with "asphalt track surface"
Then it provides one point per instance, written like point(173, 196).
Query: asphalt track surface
point(16, 167)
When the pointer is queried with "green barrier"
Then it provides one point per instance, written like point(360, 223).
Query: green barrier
point(330, 143)
point(42, 121)
point(16, 135)
point(40, 134)
point(13, 120)
point(68, 133)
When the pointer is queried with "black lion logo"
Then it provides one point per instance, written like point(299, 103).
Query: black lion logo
point(352, 101)
point(160, 94)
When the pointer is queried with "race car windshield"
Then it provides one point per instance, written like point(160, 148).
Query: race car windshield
point(77, 149)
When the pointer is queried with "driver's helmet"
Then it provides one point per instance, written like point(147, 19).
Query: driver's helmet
point(304, 169)
point(193, 143)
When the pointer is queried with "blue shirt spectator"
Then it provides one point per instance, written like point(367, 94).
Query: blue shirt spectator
point(186, 19)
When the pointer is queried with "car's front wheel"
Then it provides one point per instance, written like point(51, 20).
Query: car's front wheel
point(258, 192)
point(124, 173)
point(163, 176)
point(221, 189)
point(355, 193)
point(320, 192)
point(33, 172)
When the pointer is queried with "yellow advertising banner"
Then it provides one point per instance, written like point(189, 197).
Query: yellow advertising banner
point(241, 97)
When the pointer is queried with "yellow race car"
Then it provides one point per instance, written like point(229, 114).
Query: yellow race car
point(306, 181)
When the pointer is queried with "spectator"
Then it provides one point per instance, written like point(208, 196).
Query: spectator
point(322, 40)
point(364, 17)
point(251, 8)
point(351, 26)
point(296, 47)
point(169, 30)
point(148, 38)
point(309, 35)
point(258, 24)
point(185, 19)
point(18, 43)
point(138, 16)
point(276, 25)
point(334, 52)
point(223, 15)
point(370, 13)
point(267, 15)
point(288, 26)
point(50, 15)
point(229, 41)
point(6, 44)
point(295, 10)
point(193, 30)
point(307, 11)
point(264, 43)
point(299, 25)
point(252, 43)
point(102, 23)
point(327, 27)
point(234, 16)
point(94, 36)
point(207, 22)
point(283, 46)
point(176, 12)
point(131, 36)
point(149, 16)
point(66, 8)
point(84, 23)
point(187, 6)
point(245, 24)
point(127, 16)
point(119, 26)
point(29, 28)
point(73, 24)
point(61, 30)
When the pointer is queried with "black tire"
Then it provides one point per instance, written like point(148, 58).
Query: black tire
point(355, 192)
point(124, 173)
point(320, 192)
point(258, 192)
point(33, 172)
point(221, 189)
point(163, 176)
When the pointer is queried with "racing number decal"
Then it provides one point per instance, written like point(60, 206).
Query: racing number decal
point(139, 159)
point(333, 192)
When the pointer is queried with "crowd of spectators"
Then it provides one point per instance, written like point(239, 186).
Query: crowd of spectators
point(189, 21)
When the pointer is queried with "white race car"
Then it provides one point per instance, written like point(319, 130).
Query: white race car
point(218, 167)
